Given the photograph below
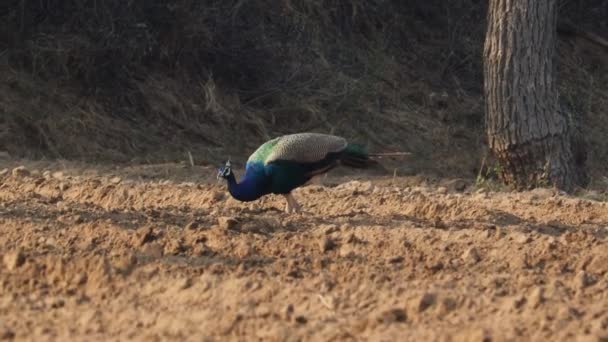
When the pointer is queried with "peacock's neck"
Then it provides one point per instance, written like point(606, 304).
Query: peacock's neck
point(249, 189)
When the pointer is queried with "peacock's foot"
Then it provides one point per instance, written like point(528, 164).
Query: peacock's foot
point(291, 205)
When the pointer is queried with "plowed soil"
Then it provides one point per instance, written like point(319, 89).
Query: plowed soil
point(161, 252)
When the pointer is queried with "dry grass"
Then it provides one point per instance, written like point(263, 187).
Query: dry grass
point(152, 82)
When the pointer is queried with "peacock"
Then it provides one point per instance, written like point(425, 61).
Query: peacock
point(287, 162)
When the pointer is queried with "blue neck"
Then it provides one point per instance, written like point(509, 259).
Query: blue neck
point(249, 189)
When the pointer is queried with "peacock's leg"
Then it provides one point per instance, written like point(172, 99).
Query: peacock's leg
point(292, 205)
point(295, 207)
point(287, 204)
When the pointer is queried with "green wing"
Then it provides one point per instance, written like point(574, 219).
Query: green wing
point(261, 154)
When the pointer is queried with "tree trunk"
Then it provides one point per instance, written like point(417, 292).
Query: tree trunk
point(534, 141)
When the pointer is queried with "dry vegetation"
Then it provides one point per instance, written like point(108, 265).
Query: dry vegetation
point(151, 80)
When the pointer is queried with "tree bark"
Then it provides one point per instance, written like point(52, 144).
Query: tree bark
point(534, 141)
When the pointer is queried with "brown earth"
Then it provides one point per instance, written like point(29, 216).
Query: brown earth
point(160, 251)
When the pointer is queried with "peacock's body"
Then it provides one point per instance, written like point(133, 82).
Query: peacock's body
point(285, 163)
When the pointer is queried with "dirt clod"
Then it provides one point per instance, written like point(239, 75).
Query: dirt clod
point(471, 255)
point(144, 236)
point(456, 185)
point(537, 296)
point(14, 259)
point(227, 222)
point(396, 315)
point(192, 225)
point(20, 171)
point(58, 175)
point(425, 301)
point(396, 259)
point(326, 244)
point(125, 263)
point(584, 279)
point(6, 333)
point(288, 312)
point(153, 250)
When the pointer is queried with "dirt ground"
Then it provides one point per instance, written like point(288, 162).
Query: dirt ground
point(161, 252)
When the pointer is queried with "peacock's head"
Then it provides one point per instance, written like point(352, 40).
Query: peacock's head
point(225, 171)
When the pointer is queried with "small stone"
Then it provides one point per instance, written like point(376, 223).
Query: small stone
point(480, 196)
point(6, 334)
point(599, 325)
point(326, 244)
point(396, 315)
point(20, 171)
point(330, 228)
point(425, 301)
point(125, 263)
point(50, 242)
point(217, 196)
point(174, 247)
point(516, 302)
point(144, 236)
point(541, 193)
point(537, 296)
point(80, 279)
point(115, 180)
point(352, 238)
point(54, 303)
point(244, 249)
point(435, 266)
point(438, 223)
point(192, 225)
point(599, 264)
point(77, 219)
point(201, 249)
point(584, 279)
point(3, 172)
point(329, 301)
point(289, 312)
point(367, 187)
point(301, 320)
point(58, 175)
point(471, 255)
point(396, 259)
point(154, 250)
point(227, 222)
point(347, 251)
point(523, 238)
point(456, 185)
point(442, 190)
point(447, 305)
point(13, 260)
point(183, 284)
point(520, 260)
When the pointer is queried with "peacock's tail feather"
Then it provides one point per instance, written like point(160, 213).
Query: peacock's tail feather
point(356, 155)
point(389, 154)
